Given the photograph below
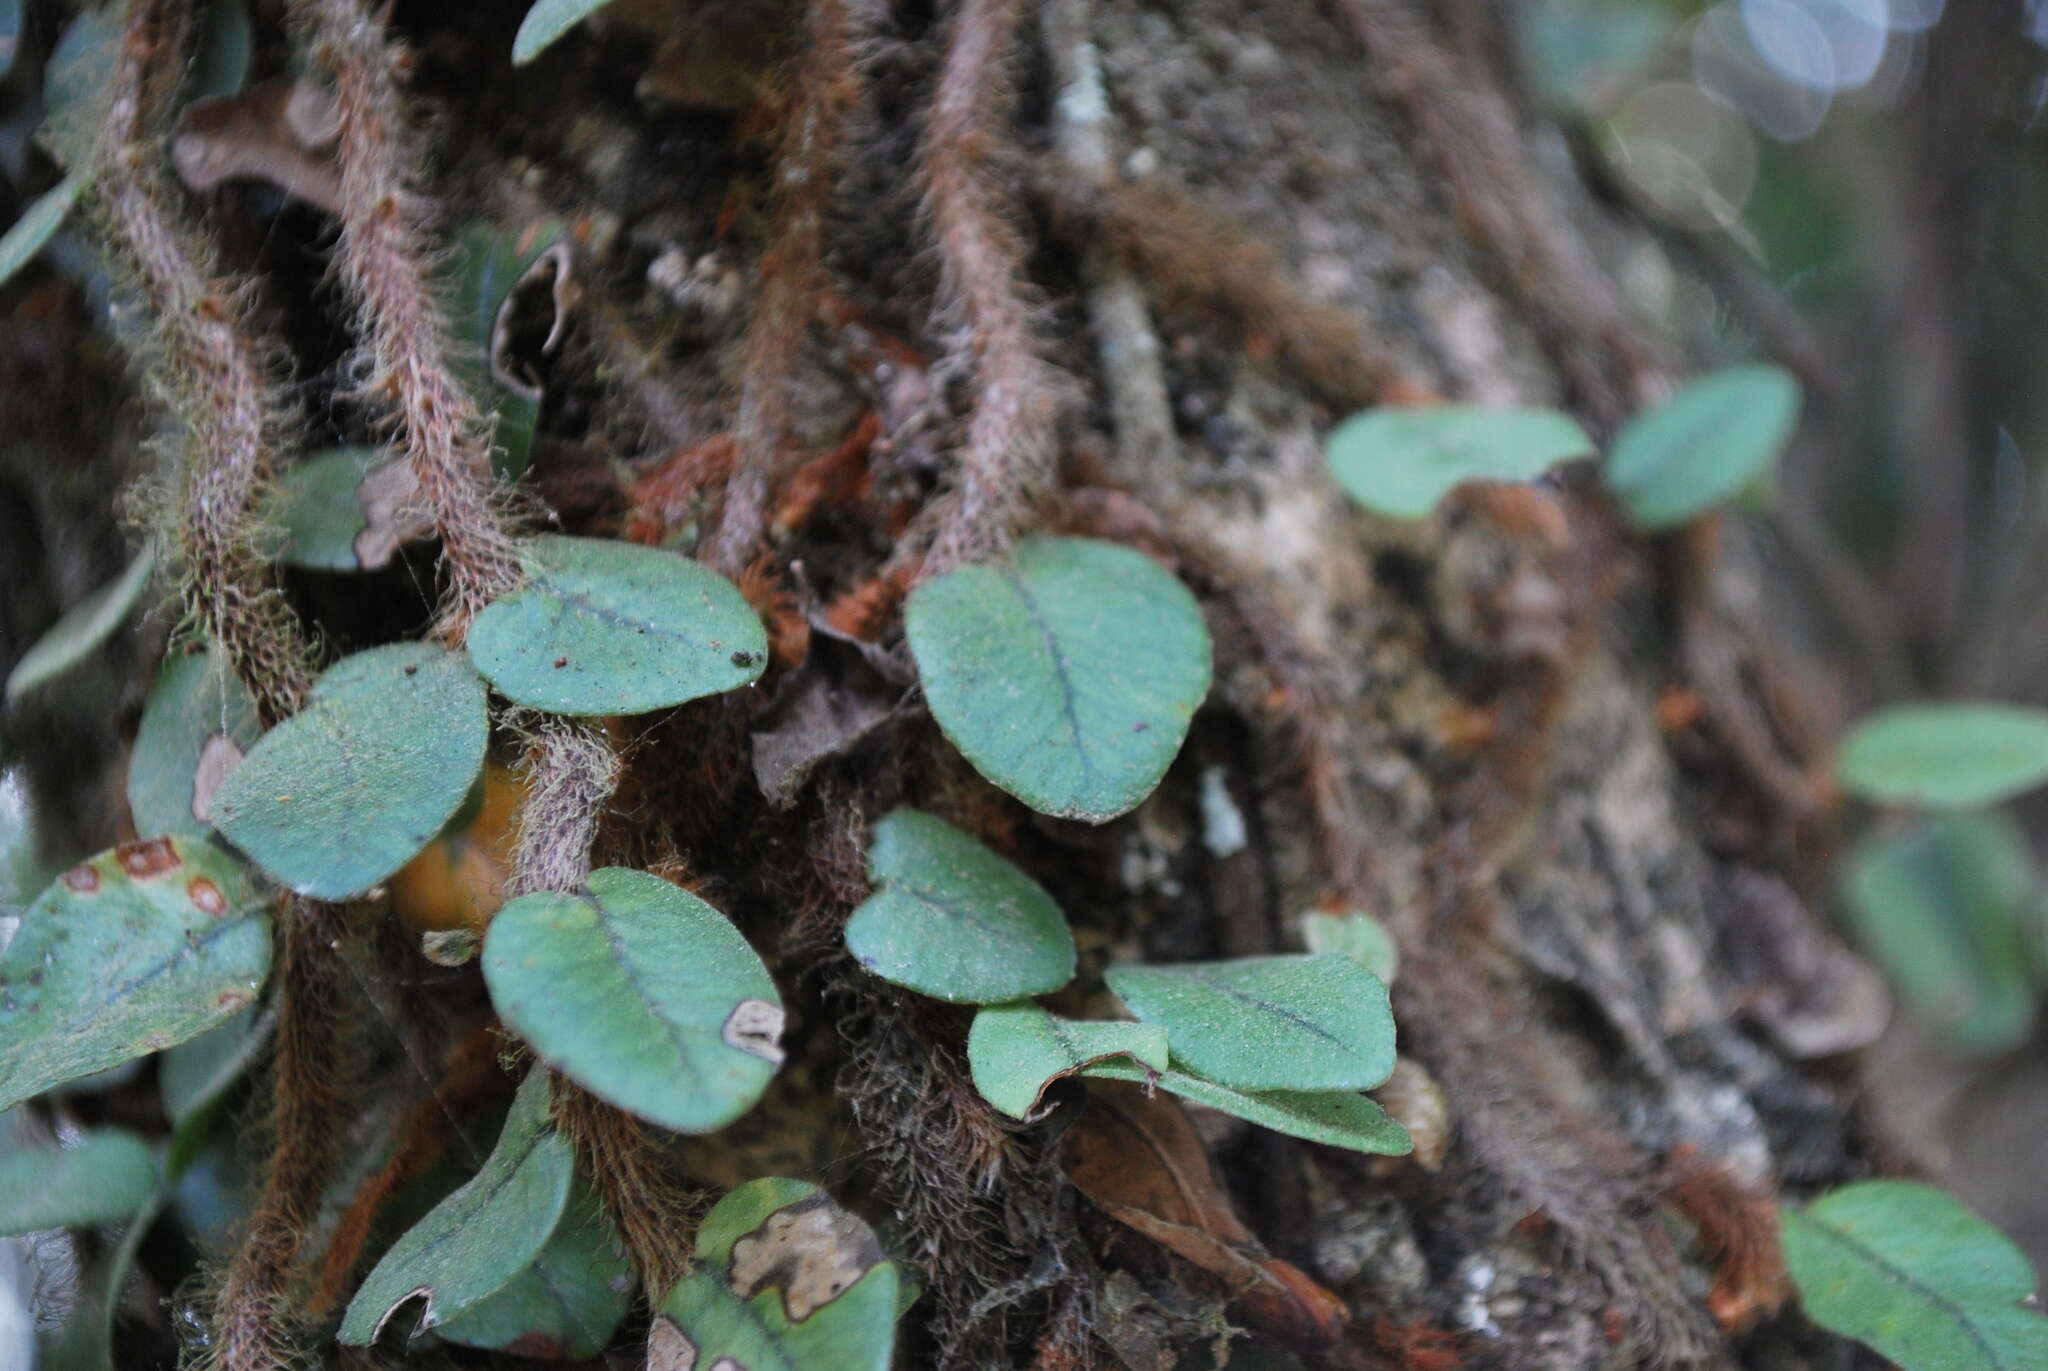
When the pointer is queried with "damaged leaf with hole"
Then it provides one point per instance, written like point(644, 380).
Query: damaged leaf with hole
point(482, 1237)
point(641, 993)
point(786, 1280)
point(493, 275)
point(140, 948)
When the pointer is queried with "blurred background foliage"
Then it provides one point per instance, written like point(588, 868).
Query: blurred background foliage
point(1859, 188)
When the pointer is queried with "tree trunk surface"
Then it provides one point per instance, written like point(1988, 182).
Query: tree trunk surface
point(1556, 758)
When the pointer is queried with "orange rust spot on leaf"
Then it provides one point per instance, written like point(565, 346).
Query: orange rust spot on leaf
point(148, 857)
point(206, 897)
point(82, 879)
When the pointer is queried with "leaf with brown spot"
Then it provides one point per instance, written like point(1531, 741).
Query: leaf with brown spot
point(144, 946)
point(198, 721)
point(785, 1280)
point(1136, 1156)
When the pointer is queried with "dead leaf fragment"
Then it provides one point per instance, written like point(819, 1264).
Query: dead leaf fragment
point(1136, 1156)
point(218, 755)
point(281, 131)
point(392, 515)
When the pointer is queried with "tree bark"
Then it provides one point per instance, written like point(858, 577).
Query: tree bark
point(1554, 757)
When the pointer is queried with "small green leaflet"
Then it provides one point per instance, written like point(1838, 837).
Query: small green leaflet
point(785, 1280)
point(25, 238)
point(1702, 446)
point(1356, 934)
point(642, 994)
point(196, 724)
point(1401, 462)
point(604, 627)
point(195, 1074)
point(547, 21)
point(83, 628)
point(1946, 755)
point(486, 270)
point(568, 1303)
point(1910, 1272)
point(105, 1177)
point(220, 65)
point(953, 920)
point(1338, 1118)
point(22, 871)
point(1946, 907)
point(1068, 676)
point(1269, 1023)
point(1016, 1050)
point(352, 787)
point(10, 34)
point(76, 78)
point(142, 947)
point(479, 1239)
point(318, 503)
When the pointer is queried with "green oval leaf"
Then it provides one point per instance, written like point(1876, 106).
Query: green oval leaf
point(1067, 677)
point(1703, 445)
point(1269, 1023)
point(197, 723)
point(194, 1075)
point(1946, 755)
point(641, 993)
point(1016, 1050)
point(351, 788)
point(568, 1303)
point(603, 627)
point(785, 1280)
point(547, 21)
point(1356, 934)
point(25, 238)
point(1339, 1118)
point(478, 1240)
point(76, 80)
point(105, 1177)
point(83, 628)
point(1915, 1275)
point(142, 947)
point(1946, 908)
point(220, 61)
point(318, 505)
point(1400, 462)
point(955, 921)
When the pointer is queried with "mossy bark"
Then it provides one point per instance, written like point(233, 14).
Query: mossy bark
point(1554, 757)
